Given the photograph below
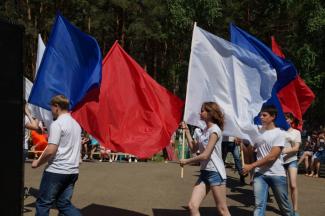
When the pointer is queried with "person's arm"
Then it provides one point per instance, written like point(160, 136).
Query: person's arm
point(291, 150)
point(48, 153)
point(205, 154)
point(267, 160)
point(32, 124)
point(191, 142)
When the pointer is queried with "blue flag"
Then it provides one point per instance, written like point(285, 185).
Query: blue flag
point(71, 65)
point(286, 71)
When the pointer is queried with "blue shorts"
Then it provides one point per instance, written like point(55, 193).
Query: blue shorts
point(320, 155)
point(292, 164)
point(210, 178)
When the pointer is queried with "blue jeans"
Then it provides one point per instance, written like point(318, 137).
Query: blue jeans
point(279, 187)
point(233, 148)
point(58, 189)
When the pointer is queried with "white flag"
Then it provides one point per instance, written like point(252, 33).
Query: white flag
point(40, 51)
point(238, 80)
point(38, 112)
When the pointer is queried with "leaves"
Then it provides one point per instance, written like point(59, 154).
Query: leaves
point(158, 33)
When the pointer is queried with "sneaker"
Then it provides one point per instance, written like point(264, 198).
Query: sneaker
point(85, 157)
point(135, 161)
point(100, 160)
point(110, 160)
point(26, 192)
point(130, 160)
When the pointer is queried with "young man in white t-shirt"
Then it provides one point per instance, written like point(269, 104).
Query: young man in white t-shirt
point(269, 170)
point(62, 154)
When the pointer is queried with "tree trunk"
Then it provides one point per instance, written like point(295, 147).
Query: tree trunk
point(89, 21)
point(28, 11)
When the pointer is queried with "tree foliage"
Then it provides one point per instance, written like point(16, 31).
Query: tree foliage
point(158, 33)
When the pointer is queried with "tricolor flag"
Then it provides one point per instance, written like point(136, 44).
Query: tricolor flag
point(296, 96)
point(286, 71)
point(237, 79)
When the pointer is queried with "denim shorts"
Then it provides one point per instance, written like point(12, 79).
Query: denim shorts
point(292, 164)
point(211, 178)
point(320, 155)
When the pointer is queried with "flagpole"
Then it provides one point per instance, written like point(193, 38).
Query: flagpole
point(242, 154)
point(188, 74)
point(183, 152)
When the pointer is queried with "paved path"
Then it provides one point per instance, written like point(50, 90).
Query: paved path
point(136, 189)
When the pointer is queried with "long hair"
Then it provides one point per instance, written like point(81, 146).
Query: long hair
point(214, 113)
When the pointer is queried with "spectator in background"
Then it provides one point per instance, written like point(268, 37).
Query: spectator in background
point(319, 156)
point(306, 156)
point(310, 149)
point(92, 146)
point(105, 153)
point(84, 145)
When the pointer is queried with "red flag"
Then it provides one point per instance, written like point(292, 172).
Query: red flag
point(295, 97)
point(130, 112)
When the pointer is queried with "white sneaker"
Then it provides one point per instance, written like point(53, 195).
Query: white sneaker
point(100, 160)
point(110, 160)
point(130, 160)
point(85, 157)
point(135, 161)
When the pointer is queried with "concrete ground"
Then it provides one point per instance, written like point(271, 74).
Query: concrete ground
point(152, 188)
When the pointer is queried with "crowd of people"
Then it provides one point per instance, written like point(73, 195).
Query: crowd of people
point(271, 160)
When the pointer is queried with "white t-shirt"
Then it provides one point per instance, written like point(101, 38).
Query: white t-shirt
point(197, 133)
point(26, 133)
point(263, 145)
point(295, 136)
point(66, 133)
point(215, 162)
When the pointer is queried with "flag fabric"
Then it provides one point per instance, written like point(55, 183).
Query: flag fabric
point(28, 87)
point(71, 66)
point(237, 79)
point(40, 52)
point(276, 49)
point(130, 112)
point(286, 71)
point(295, 97)
point(38, 112)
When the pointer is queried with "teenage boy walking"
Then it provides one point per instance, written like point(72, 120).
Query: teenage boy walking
point(269, 170)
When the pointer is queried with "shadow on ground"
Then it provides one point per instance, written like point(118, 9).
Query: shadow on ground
point(206, 211)
point(246, 196)
point(95, 209)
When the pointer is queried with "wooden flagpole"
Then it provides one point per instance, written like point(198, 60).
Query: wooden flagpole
point(183, 152)
point(242, 154)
